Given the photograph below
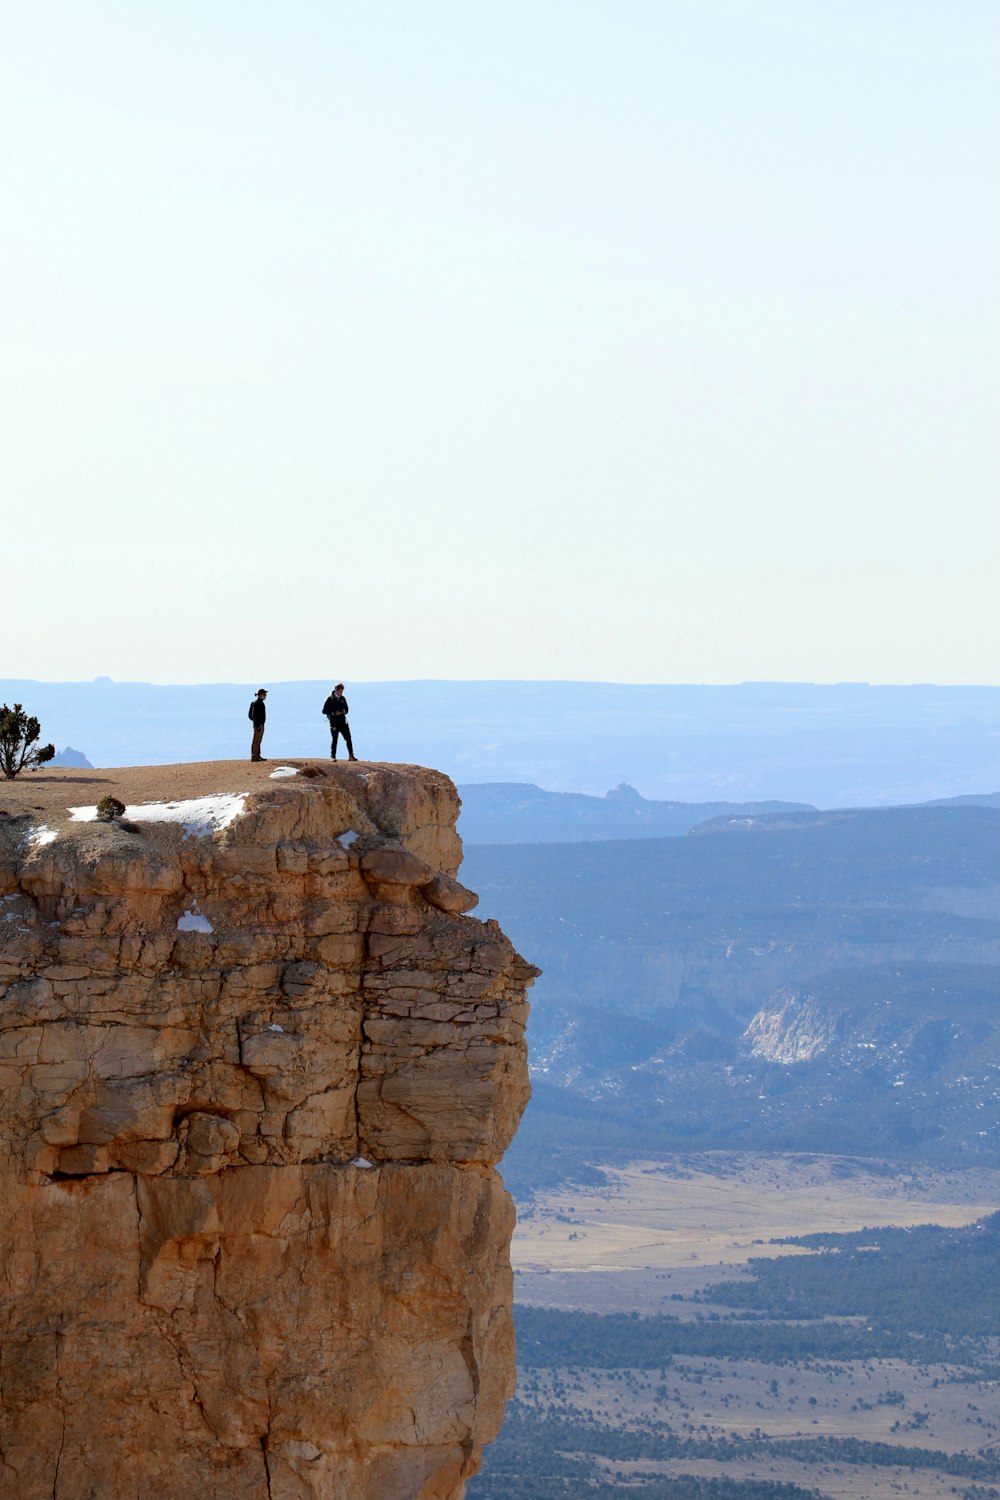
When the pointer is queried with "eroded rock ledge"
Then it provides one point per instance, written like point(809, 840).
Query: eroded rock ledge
point(254, 1085)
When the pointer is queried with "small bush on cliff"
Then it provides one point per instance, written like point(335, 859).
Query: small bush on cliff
point(110, 808)
point(19, 733)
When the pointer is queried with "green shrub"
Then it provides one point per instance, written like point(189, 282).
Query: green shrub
point(19, 732)
point(110, 808)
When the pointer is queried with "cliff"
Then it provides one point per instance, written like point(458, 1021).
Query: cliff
point(256, 1069)
point(911, 1021)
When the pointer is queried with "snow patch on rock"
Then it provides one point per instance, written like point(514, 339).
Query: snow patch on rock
point(197, 815)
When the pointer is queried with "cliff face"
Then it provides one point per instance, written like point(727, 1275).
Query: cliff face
point(793, 1028)
point(910, 1021)
point(254, 1083)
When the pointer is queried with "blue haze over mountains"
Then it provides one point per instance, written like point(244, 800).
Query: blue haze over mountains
point(808, 981)
point(515, 813)
point(849, 744)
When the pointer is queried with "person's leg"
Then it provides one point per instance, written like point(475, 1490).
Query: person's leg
point(258, 735)
point(347, 741)
point(334, 736)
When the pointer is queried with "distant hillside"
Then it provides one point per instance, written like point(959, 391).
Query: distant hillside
point(683, 977)
point(987, 799)
point(917, 1016)
point(769, 901)
point(877, 821)
point(515, 813)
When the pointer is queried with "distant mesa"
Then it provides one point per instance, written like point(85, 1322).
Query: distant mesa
point(521, 813)
point(71, 757)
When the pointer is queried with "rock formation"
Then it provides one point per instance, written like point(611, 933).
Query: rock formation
point(254, 1086)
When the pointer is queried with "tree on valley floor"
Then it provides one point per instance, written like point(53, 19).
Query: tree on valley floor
point(19, 734)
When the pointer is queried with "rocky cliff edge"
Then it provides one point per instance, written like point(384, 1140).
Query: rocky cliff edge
point(256, 1069)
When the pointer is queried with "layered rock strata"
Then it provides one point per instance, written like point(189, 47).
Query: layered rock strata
point(254, 1085)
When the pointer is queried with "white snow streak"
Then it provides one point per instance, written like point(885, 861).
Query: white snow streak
point(198, 815)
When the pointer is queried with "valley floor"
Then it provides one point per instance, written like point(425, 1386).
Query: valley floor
point(719, 1208)
point(652, 1241)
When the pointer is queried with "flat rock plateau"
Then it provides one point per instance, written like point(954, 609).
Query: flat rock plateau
point(257, 1067)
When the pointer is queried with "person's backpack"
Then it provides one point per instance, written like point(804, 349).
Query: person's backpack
point(250, 709)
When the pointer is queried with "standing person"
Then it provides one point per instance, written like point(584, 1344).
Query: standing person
point(257, 714)
point(336, 711)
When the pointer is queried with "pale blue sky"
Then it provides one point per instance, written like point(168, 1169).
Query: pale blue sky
point(621, 341)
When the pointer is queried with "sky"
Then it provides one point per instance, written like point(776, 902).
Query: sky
point(621, 340)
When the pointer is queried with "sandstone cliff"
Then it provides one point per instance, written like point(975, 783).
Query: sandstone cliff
point(254, 1084)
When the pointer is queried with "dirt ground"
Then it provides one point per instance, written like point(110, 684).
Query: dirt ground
point(51, 792)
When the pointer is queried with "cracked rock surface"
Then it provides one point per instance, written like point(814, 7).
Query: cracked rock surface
point(254, 1085)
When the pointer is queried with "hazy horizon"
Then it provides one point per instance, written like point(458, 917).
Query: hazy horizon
point(847, 744)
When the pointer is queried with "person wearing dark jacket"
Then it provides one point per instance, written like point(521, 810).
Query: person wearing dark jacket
point(257, 714)
point(336, 711)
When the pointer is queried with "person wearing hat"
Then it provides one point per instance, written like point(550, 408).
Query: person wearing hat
point(336, 710)
point(257, 714)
